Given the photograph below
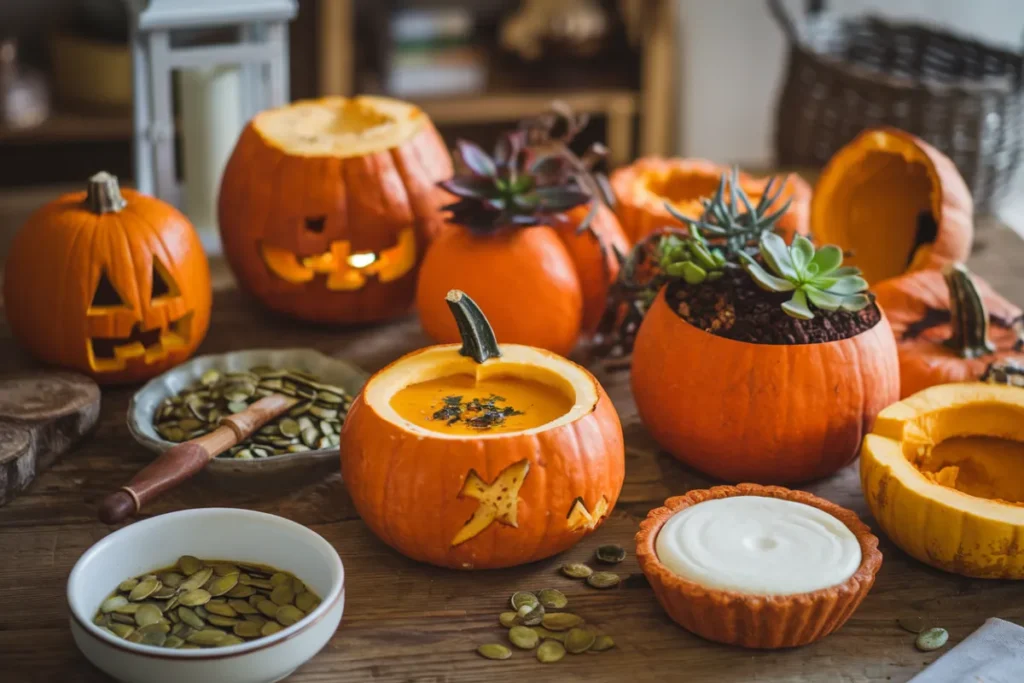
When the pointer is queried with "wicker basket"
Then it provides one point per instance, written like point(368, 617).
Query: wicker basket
point(844, 75)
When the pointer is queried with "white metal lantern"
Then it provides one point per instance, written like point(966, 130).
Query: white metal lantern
point(258, 58)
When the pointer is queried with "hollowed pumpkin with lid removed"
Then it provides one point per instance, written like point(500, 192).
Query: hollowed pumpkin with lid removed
point(943, 473)
point(895, 203)
point(481, 456)
point(326, 206)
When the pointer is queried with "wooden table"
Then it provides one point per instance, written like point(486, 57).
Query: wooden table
point(409, 622)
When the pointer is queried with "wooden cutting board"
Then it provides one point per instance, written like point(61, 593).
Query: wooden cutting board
point(42, 414)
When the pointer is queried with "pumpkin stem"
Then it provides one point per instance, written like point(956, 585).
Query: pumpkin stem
point(478, 341)
point(104, 194)
point(969, 316)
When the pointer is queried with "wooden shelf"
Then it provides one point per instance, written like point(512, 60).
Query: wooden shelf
point(68, 127)
point(512, 106)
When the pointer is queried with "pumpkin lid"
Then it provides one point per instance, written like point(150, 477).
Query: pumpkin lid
point(340, 127)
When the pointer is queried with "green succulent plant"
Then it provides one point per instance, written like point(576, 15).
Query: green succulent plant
point(814, 277)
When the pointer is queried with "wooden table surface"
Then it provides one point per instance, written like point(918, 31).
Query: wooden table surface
point(410, 622)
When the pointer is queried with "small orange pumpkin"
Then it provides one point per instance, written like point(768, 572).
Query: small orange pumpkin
point(486, 498)
point(326, 206)
point(643, 188)
point(943, 322)
point(542, 276)
point(895, 203)
point(112, 283)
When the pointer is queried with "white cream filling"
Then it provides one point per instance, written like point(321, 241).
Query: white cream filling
point(758, 545)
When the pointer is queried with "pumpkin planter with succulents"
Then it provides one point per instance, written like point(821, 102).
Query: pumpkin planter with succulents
point(528, 242)
point(326, 207)
point(650, 190)
point(109, 282)
point(950, 326)
point(943, 473)
point(895, 203)
point(757, 361)
point(499, 455)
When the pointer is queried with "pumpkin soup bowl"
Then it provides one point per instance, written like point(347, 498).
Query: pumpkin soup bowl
point(769, 413)
point(942, 474)
point(211, 533)
point(443, 490)
point(754, 620)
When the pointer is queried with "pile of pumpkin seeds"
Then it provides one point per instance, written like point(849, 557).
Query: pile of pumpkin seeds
point(606, 554)
point(928, 638)
point(536, 624)
point(205, 603)
point(314, 423)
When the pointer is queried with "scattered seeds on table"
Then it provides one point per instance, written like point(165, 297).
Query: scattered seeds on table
point(523, 637)
point(531, 615)
point(602, 643)
point(561, 621)
point(550, 651)
point(507, 619)
point(610, 554)
point(603, 580)
point(494, 651)
point(552, 598)
point(545, 634)
point(576, 570)
point(521, 598)
point(579, 640)
point(913, 624)
point(932, 639)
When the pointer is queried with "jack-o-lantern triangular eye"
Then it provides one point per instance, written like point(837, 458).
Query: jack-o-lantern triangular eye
point(106, 295)
point(163, 283)
point(316, 223)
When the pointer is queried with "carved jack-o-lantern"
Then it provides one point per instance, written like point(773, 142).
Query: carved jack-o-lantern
point(326, 206)
point(114, 285)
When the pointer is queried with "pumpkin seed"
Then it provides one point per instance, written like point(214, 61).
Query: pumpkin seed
point(197, 580)
point(156, 627)
point(240, 591)
point(112, 603)
point(531, 616)
point(148, 614)
point(220, 608)
point(283, 594)
point(121, 630)
point(270, 628)
point(561, 621)
point(545, 634)
point(494, 651)
point(130, 608)
point(242, 607)
point(190, 618)
point(247, 629)
point(602, 643)
point(224, 569)
point(127, 585)
point(931, 639)
point(603, 580)
point(610, 554)
point(507, 619)
point(913, 624)
point(576, 570)
point(552, 598)
point(144, 589)
point(172, 579)
point(164, 593)
point(123, 618)
point(523, 637)
point(207, 637)
point(288, 615)
point(222, 584)
point(217, 620)
point(173, 642)
point(579, 640)
point(195, 597)
point(189, 565)
point(521, 598)
point(550, 651)
point(307, 602)
point(267, 608)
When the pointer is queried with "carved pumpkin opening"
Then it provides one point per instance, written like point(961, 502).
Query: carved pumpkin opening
point(316, 224)
point(164, 286)
point(681, 186)
point(981, 466)
point(106, 295)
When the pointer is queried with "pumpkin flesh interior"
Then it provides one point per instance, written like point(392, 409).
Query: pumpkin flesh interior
point(974, 448)
point(340, 127)
point(570, 391)
point(683, 188)
point(876, 197)
point(446, 404)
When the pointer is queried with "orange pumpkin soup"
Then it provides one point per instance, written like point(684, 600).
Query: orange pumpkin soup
point(463, 404)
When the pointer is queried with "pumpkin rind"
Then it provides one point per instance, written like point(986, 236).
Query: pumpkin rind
point(756, 621)
point(940, 187)
point(359, 200)
point(941, 526)
point(924, 358)
point(145, 250)
point(641, 207)
point(759, 412)
point(422, 492)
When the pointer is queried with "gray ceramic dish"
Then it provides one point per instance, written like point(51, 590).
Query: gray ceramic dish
point(149, 397)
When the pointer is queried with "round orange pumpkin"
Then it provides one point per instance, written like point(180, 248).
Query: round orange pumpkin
point(544, 284)
point(764, 413)
point(326, 206)
point(642, 189)
point(482, 499)
point(950, 326)
point(111, 283)
point(895, 203)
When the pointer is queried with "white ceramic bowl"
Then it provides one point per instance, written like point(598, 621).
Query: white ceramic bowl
point(209, 533)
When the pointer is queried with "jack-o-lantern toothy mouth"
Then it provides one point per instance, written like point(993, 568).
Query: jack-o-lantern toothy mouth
point(107, 354)
point(344, 270)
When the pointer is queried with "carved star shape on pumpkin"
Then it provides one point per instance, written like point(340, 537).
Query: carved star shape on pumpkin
point(580, 518)
point(499, 501)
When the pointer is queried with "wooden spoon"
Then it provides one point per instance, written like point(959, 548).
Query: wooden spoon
point(183, 460)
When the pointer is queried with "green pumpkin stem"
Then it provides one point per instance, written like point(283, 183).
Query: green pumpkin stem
point(104, 194)
point(478, 341)
point(968, 314)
